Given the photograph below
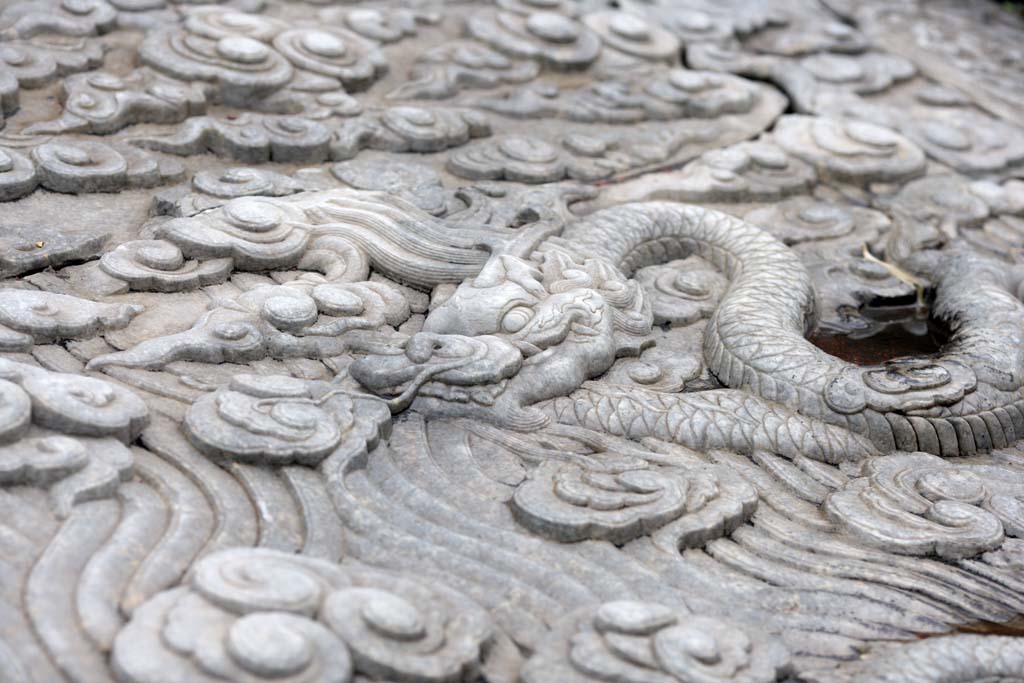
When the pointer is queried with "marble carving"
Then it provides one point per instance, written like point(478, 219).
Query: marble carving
point(511, 341)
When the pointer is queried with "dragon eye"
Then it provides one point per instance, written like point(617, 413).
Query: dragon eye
point(516, 319)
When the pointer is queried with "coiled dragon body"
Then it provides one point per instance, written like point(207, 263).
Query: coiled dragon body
point(967, 399)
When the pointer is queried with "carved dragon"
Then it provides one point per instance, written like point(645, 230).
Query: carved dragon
point(516, 344)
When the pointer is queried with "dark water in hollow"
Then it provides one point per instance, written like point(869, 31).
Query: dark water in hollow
point(882, 333)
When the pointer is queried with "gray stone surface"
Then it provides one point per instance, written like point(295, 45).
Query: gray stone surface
point(521, 341)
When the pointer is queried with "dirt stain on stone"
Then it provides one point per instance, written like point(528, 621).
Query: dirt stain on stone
point(1013, 627)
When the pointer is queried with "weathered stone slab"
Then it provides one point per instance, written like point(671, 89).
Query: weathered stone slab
point(524, 341)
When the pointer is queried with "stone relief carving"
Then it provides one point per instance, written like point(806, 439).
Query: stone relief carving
point(609, 643)
point(102, 103)
point(67, 433)
point(329, 624)
point(525, 340)
point(939, 494)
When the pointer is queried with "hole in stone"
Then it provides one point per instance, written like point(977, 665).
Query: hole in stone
point(883, 330)
point(524, 217)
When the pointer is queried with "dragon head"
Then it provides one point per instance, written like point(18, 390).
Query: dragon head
point(552, 325)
